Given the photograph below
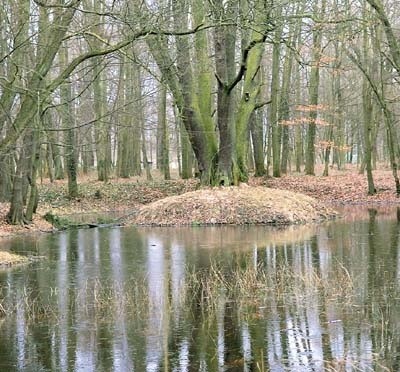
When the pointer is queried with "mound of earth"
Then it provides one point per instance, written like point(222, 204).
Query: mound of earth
point(234, 205)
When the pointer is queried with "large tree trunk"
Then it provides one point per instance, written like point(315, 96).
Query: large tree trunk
point(198, 125)
point(6, 176)
point(22, 180)
point(179, 78)
point(224, 49)
point(16, 214)
point(250, 94)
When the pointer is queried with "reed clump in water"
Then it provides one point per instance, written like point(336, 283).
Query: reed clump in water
point(250, 287)
point(256, 284)
point(8, 259)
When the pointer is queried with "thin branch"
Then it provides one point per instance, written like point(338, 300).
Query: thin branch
point(324, 21)
point(372, 84)
point(113, 48)
point(261, 105)
point(43, 4)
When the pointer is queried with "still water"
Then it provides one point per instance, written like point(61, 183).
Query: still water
point(310, 298)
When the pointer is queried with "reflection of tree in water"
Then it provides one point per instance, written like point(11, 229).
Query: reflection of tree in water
point(327, 317)
point(328, 301)
point(384, 288)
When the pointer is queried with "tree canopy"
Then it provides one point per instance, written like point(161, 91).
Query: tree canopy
point(216, 89)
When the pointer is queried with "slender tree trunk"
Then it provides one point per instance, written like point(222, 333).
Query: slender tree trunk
point(177, 131)
point(54, 147)
point(164, 140)
point(328, 151)
point(146, 163)
point(367, 113)
point(257, 136)
point(276, 130)
point(68, 122)
point(102, 134)
point(284, 111)
point(135, 123)
point(313, 93)
point(34, 194)
point(298, 129)
point(121, 135)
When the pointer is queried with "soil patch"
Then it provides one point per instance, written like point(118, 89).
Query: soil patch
point(234, 205)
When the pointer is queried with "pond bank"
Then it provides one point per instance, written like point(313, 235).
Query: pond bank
point(126, 197)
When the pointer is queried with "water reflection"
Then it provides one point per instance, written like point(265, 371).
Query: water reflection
point(207, 299)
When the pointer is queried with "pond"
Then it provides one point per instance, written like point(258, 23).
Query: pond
point(305, 298)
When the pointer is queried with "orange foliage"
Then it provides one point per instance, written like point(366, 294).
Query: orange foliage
point(309, 108)
point(304, 120)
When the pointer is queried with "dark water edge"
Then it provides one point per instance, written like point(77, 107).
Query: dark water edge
point(305, 298)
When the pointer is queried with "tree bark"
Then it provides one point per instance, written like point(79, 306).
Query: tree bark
point(51, 36)
point(313, 93)
point(257, 137)
point(68, 122)
point(276, 130)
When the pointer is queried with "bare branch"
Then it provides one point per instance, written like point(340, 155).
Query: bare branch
point(243, 63)
point(114, 48)
point(261, 105)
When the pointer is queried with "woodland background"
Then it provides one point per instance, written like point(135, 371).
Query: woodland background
point(218, 90)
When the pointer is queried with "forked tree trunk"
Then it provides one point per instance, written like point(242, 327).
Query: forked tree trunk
point(51, 37)
point(224, 48)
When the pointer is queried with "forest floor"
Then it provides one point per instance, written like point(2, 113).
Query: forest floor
point(125, 197)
